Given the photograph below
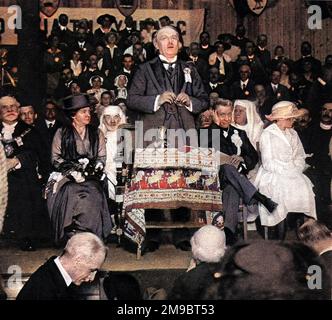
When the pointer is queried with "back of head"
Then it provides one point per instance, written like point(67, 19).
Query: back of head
point(208, 244)
point(314, 231)
point(85, 246)
point(121, 286)
point(268, 270)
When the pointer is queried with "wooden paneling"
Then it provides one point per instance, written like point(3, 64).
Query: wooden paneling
point(285, 24)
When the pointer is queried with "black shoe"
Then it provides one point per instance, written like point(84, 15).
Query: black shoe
point(183, 245)
point(268, 203)
point(150, 246)
point(26, 245)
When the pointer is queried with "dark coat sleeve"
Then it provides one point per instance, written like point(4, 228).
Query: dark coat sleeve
point(139, 97)
point(248, 152)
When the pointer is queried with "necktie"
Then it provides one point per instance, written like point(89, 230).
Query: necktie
point(274, 88)
point(244, 87)
point(170, 70)
point(50, 125)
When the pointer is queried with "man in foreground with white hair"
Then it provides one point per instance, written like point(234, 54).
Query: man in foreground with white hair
point(83, 255)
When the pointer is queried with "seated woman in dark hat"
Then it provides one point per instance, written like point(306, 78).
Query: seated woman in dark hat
point(75, 192)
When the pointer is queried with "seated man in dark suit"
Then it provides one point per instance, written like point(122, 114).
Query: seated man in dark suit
point(216, 84)
point(83, 255)
point(237, 158)
point(245, 87)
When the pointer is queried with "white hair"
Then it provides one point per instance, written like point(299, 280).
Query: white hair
point(85, 246)
point(208, 244)
point(155, 39)
point(7, 100)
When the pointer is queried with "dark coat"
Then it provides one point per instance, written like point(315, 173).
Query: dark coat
point(46, 283)
point(238, 93)
point(282, 93)
point(202, 67)
point(151, 80)
point(22, 216)
point(327, 258)
point(222, 89)
point(113, 64)
point(46, 137)
point(85, 52)
point(225, 145)
point(192, 284)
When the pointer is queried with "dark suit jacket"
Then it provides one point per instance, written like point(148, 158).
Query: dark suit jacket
point(150, 81)
point(202, 67)
point(113, 64)
point(191, 285)
point(327, 258)
point(85, 51)
point(282, 93)
point(46, 137)
point(238, 93)
point(225, 144)
point(222, 90)
point(46, 283)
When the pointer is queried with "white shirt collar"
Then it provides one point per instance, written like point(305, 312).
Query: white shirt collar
point(244, 83)
point(63, 28)
point(126, 71)
point(213, 85)
point(325, 250)
point(168, 60)
point(63, 272)
point(48, 122)
point(9, 126)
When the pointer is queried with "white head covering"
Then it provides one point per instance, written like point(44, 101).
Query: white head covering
point(208, 244)
point(111, 147)
point(111, 111)
point(254, 126)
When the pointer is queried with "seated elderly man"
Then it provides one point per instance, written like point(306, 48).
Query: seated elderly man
point(238, 157)
point(83, 255)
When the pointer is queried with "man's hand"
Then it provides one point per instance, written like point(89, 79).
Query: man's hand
point(166, 97)
point(236, 160)
point(11, 163)
point(183, 99)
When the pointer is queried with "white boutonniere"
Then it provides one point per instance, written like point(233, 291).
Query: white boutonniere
point(235, 138)
point(187, 76)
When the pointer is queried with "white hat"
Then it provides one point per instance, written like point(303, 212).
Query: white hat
point(208, 244)
point(284, 110)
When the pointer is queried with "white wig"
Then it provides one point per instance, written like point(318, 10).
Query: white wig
point(208, 244)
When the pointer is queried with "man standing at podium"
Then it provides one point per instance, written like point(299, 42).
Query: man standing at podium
point(167, 93)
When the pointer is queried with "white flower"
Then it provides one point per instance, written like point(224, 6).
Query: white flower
point(235, 138)
point(187, 76)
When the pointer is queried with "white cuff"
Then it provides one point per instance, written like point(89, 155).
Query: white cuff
point(190, 108)
point(156, 104)
point(18, 166)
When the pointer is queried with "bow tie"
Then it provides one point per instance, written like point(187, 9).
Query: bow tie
point(168, 63)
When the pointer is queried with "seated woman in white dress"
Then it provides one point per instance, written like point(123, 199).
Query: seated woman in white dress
point(281, 173)
point(245, 117)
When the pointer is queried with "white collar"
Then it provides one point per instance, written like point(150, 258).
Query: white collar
point(274, 85)
point(325, 250)
point(129, 29)
point(126, 70)
point(63, 272)
point(170, 61)
point(7, 126)
point(49, 122)
point(213, 85)
point(244, 82)
point(81, 43)
point(63, 28)
point(325, 126)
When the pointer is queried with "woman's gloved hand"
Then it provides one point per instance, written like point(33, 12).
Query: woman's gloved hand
point(77, 176)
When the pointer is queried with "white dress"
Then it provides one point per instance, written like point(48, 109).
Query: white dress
point(281, 177)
